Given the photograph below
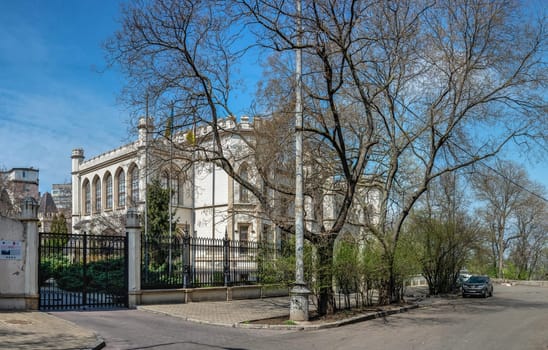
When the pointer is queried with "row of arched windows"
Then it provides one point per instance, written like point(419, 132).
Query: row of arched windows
point(114, 191)
point(110, 192)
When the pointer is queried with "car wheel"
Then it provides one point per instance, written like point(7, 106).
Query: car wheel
point(491, 293)
point(484, 293)
point(463, 295)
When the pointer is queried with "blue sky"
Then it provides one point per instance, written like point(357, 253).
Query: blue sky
point(55, 93)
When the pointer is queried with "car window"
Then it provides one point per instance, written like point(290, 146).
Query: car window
point(477, 279)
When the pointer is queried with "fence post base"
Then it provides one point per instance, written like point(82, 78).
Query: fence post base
point(134, 299)
point(228, 293)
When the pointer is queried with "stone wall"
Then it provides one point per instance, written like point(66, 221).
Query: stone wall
point(19, 259)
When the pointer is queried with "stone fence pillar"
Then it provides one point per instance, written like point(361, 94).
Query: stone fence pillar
point(19, 259)
point(133, 229)
point(29, 219)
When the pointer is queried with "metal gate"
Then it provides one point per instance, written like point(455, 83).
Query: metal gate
point(80, 271)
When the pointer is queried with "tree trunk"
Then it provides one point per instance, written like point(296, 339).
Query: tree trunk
point(389, 287)
point(500, 271)
point(325, 277)
point(393, 283)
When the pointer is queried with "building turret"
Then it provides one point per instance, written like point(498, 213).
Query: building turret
point(146, 128)
point(77, 159)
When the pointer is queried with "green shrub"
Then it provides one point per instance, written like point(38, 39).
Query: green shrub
point(346, 266)
point(71, 278)
point(107, 276)
point(158, 275)
point(104, 276)
point(52, 267)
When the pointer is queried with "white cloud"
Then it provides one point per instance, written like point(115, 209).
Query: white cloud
point(50, 99)
point(40, 130)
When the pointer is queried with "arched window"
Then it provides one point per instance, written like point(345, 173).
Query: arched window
point(108, 191)
point(87, 197)
point(121, 189)
point(97, 193)
point(134, 185)
point(244, 193)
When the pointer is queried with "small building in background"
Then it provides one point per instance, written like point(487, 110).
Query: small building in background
point(62, 196)
point(47, 212)
point(15, 185)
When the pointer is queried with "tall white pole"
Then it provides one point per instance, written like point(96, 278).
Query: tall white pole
point(193, 188)
point(299, 196)
point(146, 170)
point(213, 188)
point(146, 189)
point(169, 179)
point(299, 293)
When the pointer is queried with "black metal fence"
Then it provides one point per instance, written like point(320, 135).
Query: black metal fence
point(82, 271)
point(189, 262)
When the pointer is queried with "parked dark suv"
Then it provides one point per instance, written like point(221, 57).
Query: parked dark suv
point(477, 285)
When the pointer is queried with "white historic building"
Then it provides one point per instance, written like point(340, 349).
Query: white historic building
point(206, 201)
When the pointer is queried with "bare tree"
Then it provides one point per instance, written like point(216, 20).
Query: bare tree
point(7, 207)
point(401, 93)
point(508, 206)
point(445, 233)
point(531, 228)
point(396, 95)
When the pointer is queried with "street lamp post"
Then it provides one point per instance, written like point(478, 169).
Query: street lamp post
point(299, 293)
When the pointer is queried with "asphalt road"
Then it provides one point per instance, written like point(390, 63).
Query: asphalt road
point(515, 318)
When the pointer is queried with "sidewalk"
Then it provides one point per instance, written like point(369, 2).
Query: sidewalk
point(242, 313)
point(40, 330)
point(224, 313)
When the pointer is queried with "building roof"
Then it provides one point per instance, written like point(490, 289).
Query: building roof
point(47, 205)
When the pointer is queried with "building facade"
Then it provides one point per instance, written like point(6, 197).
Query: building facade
point(62, 196)
point(206, 202)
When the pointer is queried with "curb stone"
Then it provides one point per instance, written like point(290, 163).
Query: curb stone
point(99, 344)
point(305, 327)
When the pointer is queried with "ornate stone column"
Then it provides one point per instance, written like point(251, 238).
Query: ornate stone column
point(77, 210)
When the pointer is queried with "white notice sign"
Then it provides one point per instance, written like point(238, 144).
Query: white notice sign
point(10, 250)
